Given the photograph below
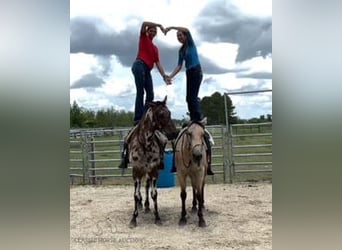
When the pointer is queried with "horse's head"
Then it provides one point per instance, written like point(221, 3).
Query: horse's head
point(162, 118)
point(195, 137)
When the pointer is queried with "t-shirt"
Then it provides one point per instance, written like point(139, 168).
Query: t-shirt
point(147, 52)
point(190, 55)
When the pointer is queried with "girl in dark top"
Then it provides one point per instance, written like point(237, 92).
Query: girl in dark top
point(188, 54)
point(194, 75)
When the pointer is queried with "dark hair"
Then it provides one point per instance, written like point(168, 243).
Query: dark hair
point(185, 45)
point(182, 50)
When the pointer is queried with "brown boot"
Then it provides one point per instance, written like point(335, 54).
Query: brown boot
point(124, 157)
point(209, 171)
point(173, 169)
point(207, 142)
point(161, 165)
point(124, 154)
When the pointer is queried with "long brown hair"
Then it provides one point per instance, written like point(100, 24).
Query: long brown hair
point(184, 45)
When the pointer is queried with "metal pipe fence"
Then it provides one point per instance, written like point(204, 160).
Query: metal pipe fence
point(96, 154)
point(257, 157)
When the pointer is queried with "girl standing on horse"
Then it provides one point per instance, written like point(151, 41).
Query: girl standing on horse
point(147, 57)
point(194, 76)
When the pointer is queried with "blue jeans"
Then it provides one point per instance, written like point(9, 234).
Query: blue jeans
point(194, 78)
point(143, 82)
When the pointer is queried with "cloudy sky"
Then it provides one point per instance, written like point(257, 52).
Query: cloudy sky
point(233, 39)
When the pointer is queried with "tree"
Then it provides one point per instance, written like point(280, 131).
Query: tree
point(76, 116)
point(89, 118)
point(213, 108)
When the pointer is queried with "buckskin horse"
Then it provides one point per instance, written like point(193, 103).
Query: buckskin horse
point(191, 160)
point(146, 148)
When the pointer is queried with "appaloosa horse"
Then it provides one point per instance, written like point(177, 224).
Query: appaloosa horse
point(191, 160)
point(146, 148)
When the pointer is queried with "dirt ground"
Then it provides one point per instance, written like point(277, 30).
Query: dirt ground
point(238, 216)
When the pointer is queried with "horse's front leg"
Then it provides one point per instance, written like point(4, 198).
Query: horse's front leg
point(147, 202)
point(201, 221)
point(182, 220)
point(137, 202)
point(203, 195)
point(182, 184)
point(194, 200)
point(154, 195)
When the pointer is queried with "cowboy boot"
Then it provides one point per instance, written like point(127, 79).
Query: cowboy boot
point(162, 141)
point(161, 166)
point(207, 142)
point(124, 157)
point(125, 154)
point(173, 169)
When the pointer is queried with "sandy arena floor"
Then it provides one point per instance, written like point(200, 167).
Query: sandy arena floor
point(238, 216)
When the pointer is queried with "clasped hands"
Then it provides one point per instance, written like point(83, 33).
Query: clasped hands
point(167, 78)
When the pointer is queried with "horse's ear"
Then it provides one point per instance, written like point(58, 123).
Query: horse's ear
point(165, 99)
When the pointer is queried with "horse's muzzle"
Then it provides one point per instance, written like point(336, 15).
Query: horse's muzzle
point(197, 158)
point(197, 154)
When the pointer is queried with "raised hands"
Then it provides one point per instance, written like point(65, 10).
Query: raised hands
point(167, 29)
point(162, 29)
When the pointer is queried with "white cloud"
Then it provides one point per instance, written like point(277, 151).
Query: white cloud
point(222, 54)
point(255, 8)
point(258, 64)
point(118, 89)
point(81, 64)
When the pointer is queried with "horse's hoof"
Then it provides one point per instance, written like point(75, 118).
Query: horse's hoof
point(147, 210)
point(133, 223)
point(158, 222)
point(202, 223)
point(182, 222)
point(194, 210)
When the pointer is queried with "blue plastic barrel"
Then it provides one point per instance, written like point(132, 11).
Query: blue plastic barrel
point(166, 178)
